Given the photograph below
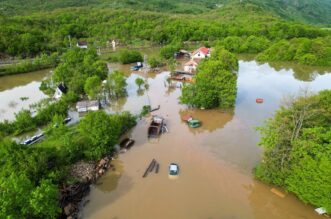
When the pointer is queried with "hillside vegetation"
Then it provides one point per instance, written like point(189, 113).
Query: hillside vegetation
point(308, 11)
point(31, 35)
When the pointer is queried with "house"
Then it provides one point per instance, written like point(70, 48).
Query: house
point(59, 91)
point(82, 44)
point(191, 66)
point(201, 53)
point(85, 106)
point(182, 54)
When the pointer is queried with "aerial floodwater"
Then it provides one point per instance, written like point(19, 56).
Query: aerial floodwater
point(19, 91)
point(216, 160)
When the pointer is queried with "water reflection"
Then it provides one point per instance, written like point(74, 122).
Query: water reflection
point(109, 181)
point(211, 120)
point(19, 92)
point(12, 81)
point(263, 202)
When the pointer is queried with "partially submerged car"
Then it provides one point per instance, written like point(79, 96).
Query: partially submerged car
point(173, 169)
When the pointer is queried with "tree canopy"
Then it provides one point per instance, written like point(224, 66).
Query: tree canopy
point(297, 144)
point(215, 83)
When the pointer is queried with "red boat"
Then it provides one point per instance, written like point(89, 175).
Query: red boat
point(259, 100)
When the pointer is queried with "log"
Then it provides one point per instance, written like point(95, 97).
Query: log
point(152, 166)
point(149, 166)
point(157, 168)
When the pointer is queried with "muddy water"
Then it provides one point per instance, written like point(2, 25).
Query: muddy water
point(19, 91)
point(215, 160)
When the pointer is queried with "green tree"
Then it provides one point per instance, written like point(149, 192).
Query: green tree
point(44, 200)
point(139, 82)
point(116, 84)
point(215, 83)
point(154, 62)
point(297, 148)
point(100, 132)
point(92, 86)
point(14, 196)
point(24, 121)
point(129, 56)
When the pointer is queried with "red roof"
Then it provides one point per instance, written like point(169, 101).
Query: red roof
point(203, 50)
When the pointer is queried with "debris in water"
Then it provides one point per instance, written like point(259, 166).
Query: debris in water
point(277, 192)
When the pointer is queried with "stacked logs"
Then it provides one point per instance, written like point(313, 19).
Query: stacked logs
point(72, 195)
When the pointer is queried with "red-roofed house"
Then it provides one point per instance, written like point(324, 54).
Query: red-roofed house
point(201, 53)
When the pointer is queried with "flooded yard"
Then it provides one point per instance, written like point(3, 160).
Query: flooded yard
point(215, 160)
point(19, 91)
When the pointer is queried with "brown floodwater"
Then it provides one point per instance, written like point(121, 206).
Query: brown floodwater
point(216, 160)
point(19, 92)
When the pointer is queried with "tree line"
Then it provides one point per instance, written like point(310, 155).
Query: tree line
point(28, 36)
point(297, 148)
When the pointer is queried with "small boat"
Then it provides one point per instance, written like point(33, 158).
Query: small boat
point(173, 169)
point(155, 128)
point(187, 118)
point(127, 143)
point(194, 123)
point(66, 120)
point(259, 100)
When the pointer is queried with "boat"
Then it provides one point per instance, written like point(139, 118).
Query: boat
point(127, 143)
point(155, 128)
point(173, 169)
point(187, 118)
point(194, 123)
point(259, 100)
point(67, 120)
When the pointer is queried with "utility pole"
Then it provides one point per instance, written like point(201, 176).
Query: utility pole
point(69, 41)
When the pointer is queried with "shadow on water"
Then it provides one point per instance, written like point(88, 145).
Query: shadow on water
point(218, 121)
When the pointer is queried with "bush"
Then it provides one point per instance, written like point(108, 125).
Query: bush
point(129, 56)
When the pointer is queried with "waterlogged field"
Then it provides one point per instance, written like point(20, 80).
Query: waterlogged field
point(216, 160)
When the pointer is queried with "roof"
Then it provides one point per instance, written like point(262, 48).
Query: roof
point(82, 43)
point(193, 62)
point(203, 50)
point(62, 88)
point(173, 167)
point(82, 104)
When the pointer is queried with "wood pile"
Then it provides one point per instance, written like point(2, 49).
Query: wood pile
point(86, 174)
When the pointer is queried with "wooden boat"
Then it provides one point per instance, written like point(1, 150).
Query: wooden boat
point(155, 128)
point(127, 143)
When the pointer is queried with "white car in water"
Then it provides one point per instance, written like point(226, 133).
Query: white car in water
point(173, 169)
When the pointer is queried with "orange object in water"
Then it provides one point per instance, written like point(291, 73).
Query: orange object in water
point(259, 100)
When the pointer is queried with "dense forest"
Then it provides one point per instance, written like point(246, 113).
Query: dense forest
point(308, 11)
point(28, 36)
point(297, 148)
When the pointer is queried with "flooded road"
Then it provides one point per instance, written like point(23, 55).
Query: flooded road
point(216, 160)
point(19, 91)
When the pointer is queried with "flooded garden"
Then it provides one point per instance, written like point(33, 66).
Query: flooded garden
point(216, 160)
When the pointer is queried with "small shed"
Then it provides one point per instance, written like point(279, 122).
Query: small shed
point(82, 44)
point(59, 91)
point(191, 66)
point(85, 106)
